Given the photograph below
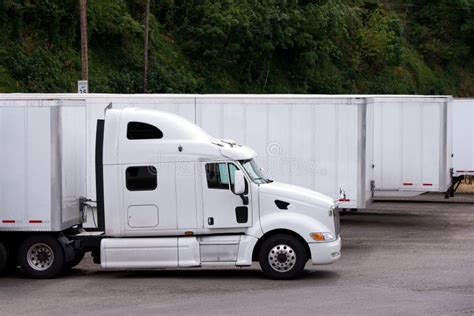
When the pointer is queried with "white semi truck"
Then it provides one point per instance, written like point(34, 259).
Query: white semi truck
point(168, 196)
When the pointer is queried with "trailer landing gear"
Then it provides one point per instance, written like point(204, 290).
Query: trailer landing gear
point(455, 183)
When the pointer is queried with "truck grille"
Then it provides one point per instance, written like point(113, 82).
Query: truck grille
point(337, 224)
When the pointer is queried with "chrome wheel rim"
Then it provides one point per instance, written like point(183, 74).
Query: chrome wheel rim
point(40, 257)
point(282, 258)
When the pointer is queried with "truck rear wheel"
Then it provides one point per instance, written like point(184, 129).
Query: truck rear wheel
point(3, 258)
point(41, 257)
point(282, 257)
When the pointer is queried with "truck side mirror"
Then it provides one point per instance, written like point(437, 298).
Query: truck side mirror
point(239, 185)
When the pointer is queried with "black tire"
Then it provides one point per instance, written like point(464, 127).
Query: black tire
point(12, 260)
point(287, 260)
point(78, 256)
point(3, 258)
point(41, 257)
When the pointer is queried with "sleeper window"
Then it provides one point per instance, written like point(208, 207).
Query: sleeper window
point(139, 130)
point(217, 176)
point(141, 178)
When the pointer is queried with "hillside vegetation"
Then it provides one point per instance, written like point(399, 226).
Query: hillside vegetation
point(242, 46)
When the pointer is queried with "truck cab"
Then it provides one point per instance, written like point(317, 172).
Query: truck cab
point(190, 200)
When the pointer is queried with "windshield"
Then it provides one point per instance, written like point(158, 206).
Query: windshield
point(254, 171)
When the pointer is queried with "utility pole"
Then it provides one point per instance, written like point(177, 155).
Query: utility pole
point(84, 58)
point(147, 31)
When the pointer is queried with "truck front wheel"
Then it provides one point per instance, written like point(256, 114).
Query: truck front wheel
point(41, 257)
point(282, 257)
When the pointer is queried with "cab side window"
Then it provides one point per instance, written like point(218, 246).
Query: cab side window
point(142, 178)
point(139, 130)
point(217, 176)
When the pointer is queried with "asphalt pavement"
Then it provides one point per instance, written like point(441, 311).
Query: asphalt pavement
point(397, 259)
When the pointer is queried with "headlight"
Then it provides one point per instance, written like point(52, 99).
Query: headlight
point(322, 236)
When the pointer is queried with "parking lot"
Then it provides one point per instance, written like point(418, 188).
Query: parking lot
point(397, 258)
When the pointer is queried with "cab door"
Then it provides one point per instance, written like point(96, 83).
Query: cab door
point(222, 208)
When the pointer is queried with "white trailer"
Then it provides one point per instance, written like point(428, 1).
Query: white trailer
point(168, 196)
point(318, 142)
point(42, 164)
point(43, 173)
point(463, 137)
point(412, 145)
point(334, 156)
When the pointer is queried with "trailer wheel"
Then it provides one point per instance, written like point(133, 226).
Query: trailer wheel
point(41, 257)
point(282, 257)
point(3, 258)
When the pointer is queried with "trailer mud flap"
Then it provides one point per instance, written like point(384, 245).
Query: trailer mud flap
point(68, 247)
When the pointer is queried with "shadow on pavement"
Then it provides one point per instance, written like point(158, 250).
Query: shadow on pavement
point(196, 274)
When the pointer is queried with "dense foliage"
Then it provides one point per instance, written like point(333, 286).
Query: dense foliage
point(242, 46)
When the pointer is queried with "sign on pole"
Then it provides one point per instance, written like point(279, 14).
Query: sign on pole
point(82, 86)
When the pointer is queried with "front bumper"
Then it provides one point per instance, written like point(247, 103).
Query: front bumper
point(325, 252)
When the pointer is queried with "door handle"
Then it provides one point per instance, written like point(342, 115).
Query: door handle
point(210, 221)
